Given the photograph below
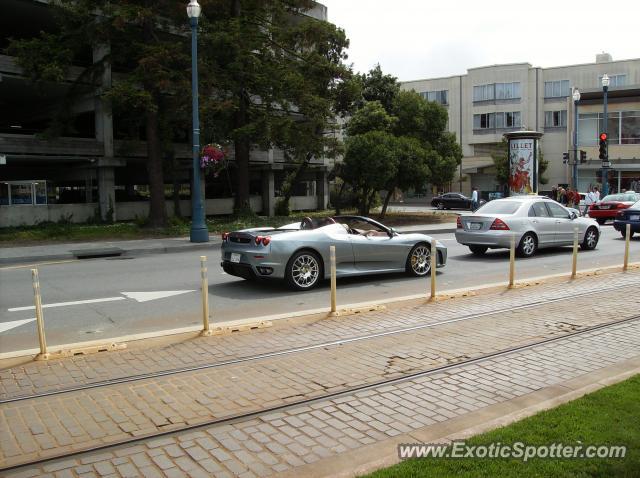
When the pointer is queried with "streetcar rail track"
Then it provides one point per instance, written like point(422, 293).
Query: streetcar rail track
point(304, 348)
point(331, 395)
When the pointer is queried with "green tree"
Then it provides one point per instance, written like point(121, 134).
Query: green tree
point(137, 40)
point(422, 150)
point(426, 122)
point(376, 86)
point(275, 78)
point(370, 163)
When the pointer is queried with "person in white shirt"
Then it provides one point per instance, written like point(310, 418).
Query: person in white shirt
point(474, 199)
point(589, 199)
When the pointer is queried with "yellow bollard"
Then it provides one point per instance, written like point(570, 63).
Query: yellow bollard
point(43, 355)
point(206, 330)
point(627, 239)
point(434, 263)
point(512, 261)
point(574, 265)
point(332, 254)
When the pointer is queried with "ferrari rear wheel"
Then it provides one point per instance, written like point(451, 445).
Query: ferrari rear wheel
point(419, 260)
point(304, 270)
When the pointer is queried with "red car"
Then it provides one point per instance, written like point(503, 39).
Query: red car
point(609, 206)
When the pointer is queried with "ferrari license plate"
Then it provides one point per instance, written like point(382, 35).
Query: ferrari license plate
point(634, 217)
point(235, 257)
point(474, 226)
point(605, 207)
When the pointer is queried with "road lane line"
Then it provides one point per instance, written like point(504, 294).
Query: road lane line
point(64, 304)
point(4, 326)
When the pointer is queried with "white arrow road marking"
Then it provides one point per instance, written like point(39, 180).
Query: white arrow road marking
point(161, 294)
point(139, 296)
point(64, 304)
point(4, 326)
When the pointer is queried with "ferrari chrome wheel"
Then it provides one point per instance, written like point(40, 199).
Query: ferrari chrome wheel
point(304, 270)
point(419, 260)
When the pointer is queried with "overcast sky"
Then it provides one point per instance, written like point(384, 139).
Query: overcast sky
point(414, 39)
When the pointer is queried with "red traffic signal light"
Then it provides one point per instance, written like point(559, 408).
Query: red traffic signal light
point(603, 150)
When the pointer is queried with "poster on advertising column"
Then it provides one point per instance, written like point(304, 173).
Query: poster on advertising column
point(523, 171)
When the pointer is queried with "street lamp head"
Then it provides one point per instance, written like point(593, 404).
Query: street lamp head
point(193, 9)
point(605, 80)
point(576, 95)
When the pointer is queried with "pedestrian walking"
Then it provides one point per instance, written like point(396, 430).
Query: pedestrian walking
point(589, 199)
point(474, 199)
point(562, 196)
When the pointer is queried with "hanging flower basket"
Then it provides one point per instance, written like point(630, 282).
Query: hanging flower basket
point(213, 159)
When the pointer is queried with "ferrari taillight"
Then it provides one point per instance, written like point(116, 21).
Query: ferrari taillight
point(225, 236)
point(264, 240)
point(499, 225)
point(621, 206)
point(459, 223)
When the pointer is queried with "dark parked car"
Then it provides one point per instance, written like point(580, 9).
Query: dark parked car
point(629, 216)
point(451, 201)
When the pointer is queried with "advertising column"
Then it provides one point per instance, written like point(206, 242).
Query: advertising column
point(523, 162)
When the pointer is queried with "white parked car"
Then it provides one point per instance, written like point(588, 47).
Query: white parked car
point(536, 222)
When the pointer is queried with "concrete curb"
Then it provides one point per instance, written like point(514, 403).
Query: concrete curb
point(133, 252)
point(384, 454)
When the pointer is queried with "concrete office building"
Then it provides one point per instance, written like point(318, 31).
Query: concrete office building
point(98, 167)
point(489, 101)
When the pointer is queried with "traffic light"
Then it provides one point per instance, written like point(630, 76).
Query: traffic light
point(583, 156)
point(565, 158)
point(603, 147)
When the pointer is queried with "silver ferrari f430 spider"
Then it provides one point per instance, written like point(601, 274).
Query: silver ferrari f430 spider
point(299, 253)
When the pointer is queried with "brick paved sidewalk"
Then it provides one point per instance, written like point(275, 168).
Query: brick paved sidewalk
point(320, 432)
point(74, 421)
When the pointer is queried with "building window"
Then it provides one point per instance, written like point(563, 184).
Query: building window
point(26, 192)
point(556, 89)
point(630, 127)
point(508, 119)
point(614, 80)
point(507, 91)
point(438, 96)
point(623, 127)
point(484, 92)
point(484, 121)
point(555, 119)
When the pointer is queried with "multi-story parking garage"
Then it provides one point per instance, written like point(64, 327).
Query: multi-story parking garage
point(97, 166)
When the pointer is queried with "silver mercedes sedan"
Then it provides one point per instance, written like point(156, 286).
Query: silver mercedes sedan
point(299, 252)
point(536, 222)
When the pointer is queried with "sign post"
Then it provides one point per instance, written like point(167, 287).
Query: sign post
point(523, 152)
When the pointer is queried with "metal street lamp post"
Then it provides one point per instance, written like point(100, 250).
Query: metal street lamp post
point(576, 98)
point(199, 231)
point(605, 169)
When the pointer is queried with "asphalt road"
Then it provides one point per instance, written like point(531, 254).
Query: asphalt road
point(117, 310)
